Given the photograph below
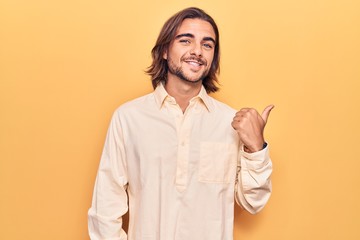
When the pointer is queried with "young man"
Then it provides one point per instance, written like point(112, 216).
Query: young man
point(177, 158)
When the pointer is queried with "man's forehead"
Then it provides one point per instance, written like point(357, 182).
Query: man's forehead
point(196, 26)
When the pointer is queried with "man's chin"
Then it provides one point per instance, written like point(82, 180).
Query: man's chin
point(193, 81)
point(190, 77)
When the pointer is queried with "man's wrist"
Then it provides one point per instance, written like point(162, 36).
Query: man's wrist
point(248, 150)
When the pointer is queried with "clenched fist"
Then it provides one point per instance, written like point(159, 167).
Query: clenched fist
point(250, 125)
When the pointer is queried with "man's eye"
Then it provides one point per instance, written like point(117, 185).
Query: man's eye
point(184, 41)
point(209, 46)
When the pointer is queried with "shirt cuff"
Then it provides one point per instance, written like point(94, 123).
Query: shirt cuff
point(257, 159)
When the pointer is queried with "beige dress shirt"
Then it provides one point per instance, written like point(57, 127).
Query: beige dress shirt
point(177, 173)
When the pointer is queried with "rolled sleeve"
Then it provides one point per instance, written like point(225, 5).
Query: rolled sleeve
point(253, 187)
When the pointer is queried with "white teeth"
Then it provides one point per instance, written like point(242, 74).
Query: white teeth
point(194, 63)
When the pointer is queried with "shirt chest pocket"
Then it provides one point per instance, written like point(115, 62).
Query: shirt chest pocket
point(217, 162)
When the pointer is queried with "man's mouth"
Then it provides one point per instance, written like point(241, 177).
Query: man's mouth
point(195, 62)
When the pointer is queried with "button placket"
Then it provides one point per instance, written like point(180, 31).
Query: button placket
point(184, 127)
point(183, 123)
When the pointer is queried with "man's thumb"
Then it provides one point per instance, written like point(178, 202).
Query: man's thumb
point(266, 112)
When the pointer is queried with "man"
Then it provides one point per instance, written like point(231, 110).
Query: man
point(177, 158)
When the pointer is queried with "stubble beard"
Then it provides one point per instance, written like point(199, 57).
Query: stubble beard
point(178, 72)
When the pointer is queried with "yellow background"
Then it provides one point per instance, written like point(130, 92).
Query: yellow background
point(66, 65)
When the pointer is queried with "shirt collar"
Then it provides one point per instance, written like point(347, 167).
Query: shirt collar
point(161, 94)
point(205, 99)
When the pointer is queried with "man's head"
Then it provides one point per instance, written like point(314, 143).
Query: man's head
point(160, 53)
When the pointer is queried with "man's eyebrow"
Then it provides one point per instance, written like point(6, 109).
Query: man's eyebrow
point(192, 36)
point(209, 39)
point(184, 35)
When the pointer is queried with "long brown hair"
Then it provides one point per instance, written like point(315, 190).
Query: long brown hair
point(159, 68)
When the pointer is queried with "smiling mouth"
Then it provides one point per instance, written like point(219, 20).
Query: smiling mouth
point(195, 62)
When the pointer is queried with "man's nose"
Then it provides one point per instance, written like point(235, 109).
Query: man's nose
point(196, 49)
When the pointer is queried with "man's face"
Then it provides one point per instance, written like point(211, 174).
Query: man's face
point(191, 52)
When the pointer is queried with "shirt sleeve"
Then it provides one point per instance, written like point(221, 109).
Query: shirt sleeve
point(109, 202)
point(253, 185)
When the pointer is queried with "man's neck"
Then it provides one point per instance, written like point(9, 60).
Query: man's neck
point(182, 91)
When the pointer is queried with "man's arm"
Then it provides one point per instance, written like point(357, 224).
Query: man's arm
point(109, 202)
point(253, 184)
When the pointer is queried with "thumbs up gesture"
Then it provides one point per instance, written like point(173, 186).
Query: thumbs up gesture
point(249, 124)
